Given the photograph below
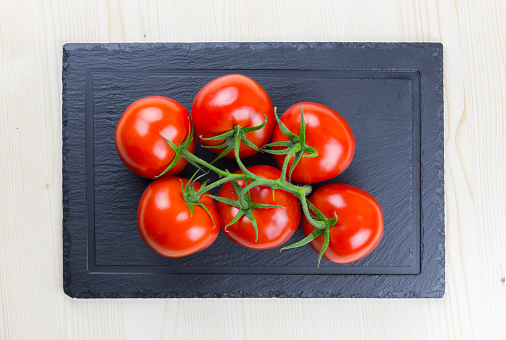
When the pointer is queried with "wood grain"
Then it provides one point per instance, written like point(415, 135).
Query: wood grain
point(32, 302)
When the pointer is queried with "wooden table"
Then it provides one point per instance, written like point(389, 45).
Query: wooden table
point(32, 302)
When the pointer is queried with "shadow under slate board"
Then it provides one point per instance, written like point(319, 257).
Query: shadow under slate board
point(390, 93)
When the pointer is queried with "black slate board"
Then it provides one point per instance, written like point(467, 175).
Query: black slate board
point(392, 97)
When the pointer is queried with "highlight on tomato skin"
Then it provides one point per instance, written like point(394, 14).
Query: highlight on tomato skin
point(327, 132)
point(138, 136)
point(228, 101)
point(359, 227)
point(166, 224)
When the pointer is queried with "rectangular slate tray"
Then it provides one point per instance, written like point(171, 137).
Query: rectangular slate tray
point(392, 97)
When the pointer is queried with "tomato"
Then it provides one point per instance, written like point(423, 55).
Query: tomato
point(229, 101)
point(139, 132)
point(327, 132)
point(359, 227)
point(166, 224)
point(275, 225)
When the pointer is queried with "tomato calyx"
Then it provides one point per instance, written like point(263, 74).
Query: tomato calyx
point(191, 197)
point(233, 138)
point(245, 206)
point(179, 150)
point(295, 147)
point(322, 226)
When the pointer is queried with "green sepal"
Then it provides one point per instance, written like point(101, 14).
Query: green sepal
point(332, 221)
point(185, 192)
point(329, 222)
point(325, 230)
point(294, 141)
point(244, 211)
point(224, 135)
point(265, 206)
point(318, 213)
point(304, 241)
point(254, 128)
point(296, 161)
point(226, 201)
point(236, 218)
point(311, 152)
point(177, 150)
point(203, 206)
point(174, 160)
point(326, 241)
point(220, 146)
point(229, 139)
point(247, 188)
point(302, 133)
point(190, 197)
point(247, 142)
point(281, 143)
point(228, 148)
point(283, 127)
point(249, 214)
point(276, 152)
point(237, 187)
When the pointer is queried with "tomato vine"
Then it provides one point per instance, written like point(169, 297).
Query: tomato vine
point(296, 147)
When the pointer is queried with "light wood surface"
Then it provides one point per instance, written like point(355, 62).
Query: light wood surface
point(32, 302)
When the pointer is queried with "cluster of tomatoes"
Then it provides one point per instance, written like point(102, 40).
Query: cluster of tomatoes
point(258, 207)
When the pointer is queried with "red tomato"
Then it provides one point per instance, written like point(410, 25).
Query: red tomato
point(359, 227)
point(165, 222)
point(229, 101)
point(327, 132)
point(275, 225)
point(139, 132)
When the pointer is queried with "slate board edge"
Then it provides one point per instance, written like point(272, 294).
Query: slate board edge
point(440, 288)
point(65, 201)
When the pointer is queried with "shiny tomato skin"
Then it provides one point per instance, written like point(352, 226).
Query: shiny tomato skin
point(228, 101)
point(139, 132)
point(360, 222)
point(165, 223)
point(275, 225)
point(327, 132)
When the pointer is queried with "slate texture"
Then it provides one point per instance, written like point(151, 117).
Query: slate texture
point(390, 93)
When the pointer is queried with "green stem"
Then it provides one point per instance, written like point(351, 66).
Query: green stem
point(228, 178)
point(189, 156)
point(262, 181)
point(237, 147)
point(301, 191)
point(318, 224)
point(296, 148)
point(243, 202)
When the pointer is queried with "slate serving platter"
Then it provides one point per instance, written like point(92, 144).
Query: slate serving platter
point(390, 93)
